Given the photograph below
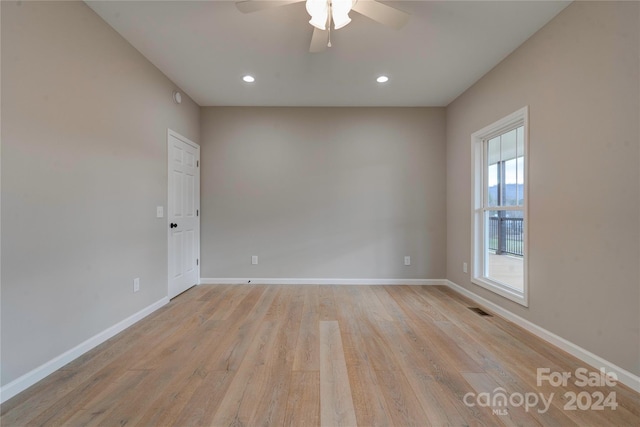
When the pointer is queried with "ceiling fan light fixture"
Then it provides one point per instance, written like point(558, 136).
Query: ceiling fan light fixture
point(340, 12)
point(319, 11)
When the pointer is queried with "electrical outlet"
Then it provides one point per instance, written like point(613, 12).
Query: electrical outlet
point(464, 267)
point(407, 260)
point(254, 260)
point(136, 284)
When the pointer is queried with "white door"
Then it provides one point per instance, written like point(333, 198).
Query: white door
point(183, 213)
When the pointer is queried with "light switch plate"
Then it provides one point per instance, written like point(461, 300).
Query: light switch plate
point(254, 259)
point(159, 212)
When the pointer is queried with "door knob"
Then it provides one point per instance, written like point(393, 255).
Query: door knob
point(173, 225)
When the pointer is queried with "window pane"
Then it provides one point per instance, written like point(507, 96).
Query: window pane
point(504, 248)
point(504, 183)
point(493, 151)
point(508, 154)
point(493, 172)
point(520, 140)
point(520, 181)
point(520, 167)
point(510, 187)
point(492, 179)
point(492, 222)
point(509, 146)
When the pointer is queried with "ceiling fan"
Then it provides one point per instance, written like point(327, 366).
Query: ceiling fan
point(324, 12)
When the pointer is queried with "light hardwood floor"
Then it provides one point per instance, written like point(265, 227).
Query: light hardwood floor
point(313, 355)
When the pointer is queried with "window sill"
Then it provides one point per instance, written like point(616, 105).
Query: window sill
point(502, 290)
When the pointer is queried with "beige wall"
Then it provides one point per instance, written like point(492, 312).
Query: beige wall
point(84, 123)
point(323, 192)
point(579, 76)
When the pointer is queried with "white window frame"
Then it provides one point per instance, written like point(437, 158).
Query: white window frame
point(478, 208)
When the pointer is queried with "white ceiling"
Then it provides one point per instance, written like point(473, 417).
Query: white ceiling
point(205, 47)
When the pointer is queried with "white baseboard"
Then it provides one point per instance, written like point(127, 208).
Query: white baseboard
point(283, 281)
point(32, 377)
point(625, 377)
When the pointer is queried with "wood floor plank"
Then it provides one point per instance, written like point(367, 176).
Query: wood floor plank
point(303, 401)
point(522, 359)
point(426, 364)
point(65, 408)
point(374, 307)
point(184, 336)
point(364, 352)
point(506, 415)
point(114, 354)
point(626, 398)
point(504, 378)
point(37, 398)
point(369, 404)
point(353, 338)
point(327, 307)
point(421, 319)
point(242, 325)
point(426, 376)
point(104, 399)
point(238, 403)
point(165, 409)
point(128, 409)
point(244, 349)
point(169, 387)
point(336, 402)
point(404, 408)
point(311, 355)
point(200, 409)
point(271, 403)
point(308, 344)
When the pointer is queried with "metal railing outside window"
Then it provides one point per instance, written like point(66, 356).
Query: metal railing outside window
point(506, 235)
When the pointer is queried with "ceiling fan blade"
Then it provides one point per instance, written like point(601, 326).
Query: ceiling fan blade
point(386, 15)
point(249, 6)
point(319, 40)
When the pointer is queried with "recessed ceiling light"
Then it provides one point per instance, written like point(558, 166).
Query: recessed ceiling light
point(248, 79)
point(382, 79)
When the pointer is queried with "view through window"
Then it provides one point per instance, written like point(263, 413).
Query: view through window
point(505, 195)
point(499, 207)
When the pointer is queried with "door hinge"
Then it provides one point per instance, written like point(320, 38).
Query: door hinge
point(197, 163)
point(197, 212)
point(197, 261)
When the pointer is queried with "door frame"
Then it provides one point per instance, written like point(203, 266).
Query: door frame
point(172, 133)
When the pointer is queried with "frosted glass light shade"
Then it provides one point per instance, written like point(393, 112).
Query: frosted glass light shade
point(319, 11)
point(340, 12)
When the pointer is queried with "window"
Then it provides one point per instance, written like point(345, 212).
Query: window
point(499, 224)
